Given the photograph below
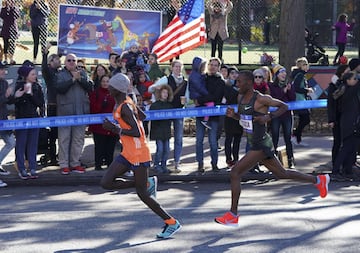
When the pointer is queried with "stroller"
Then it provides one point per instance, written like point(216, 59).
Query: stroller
point(314, 52)
point(43, 146)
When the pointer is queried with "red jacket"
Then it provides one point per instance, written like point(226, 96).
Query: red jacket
point(101, 102)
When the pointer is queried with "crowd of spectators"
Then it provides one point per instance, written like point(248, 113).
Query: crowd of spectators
point(73, 88)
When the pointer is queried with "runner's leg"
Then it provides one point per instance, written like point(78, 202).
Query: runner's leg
point(248, 161)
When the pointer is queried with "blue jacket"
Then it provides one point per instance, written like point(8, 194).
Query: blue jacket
point(197, 87)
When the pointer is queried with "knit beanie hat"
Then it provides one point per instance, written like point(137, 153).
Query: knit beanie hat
point(258, 72)
point(354, 63)
point(277, 68)
point(24, 71)
point(120, 82)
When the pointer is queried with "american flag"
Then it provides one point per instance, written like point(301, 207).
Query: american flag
point(185, 32)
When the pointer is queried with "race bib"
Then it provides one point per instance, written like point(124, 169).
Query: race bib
point(246, 122)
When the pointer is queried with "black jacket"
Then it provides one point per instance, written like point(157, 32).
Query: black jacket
point(333, 105)
point(176, 103)
point(49, 75)
point(27, 105)
point(231, 126)
point(215, 84)
point(160, 129)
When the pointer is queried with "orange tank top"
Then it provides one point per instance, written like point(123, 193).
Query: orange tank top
point(135, 149)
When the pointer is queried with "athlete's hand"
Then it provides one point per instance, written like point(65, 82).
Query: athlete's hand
point(110, 126)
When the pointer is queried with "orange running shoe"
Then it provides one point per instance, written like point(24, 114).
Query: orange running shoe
point(322, 186)
point(228, 219)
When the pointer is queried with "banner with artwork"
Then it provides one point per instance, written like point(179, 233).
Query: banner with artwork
point(93, 32)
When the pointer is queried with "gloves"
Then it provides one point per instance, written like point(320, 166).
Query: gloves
point(110, 126)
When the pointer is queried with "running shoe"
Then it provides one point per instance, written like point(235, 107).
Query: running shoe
point(152, 186)
point(3, 172)
point(23, 175)
point(2, 184)
point(323, 184)
point(228, 219)
point(129, 173)
point(33, 174)
point(169, 230)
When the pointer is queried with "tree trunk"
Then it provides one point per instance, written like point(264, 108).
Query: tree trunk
point(292, 32)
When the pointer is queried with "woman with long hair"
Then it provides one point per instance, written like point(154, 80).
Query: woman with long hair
point(342, 27)
point(9, 14)
point(39, 13)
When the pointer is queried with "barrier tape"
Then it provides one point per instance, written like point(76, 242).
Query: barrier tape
point(89, 119)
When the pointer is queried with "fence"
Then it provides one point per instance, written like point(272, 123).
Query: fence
point(245, 22)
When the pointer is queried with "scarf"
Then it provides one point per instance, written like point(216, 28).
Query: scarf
point(178, 79)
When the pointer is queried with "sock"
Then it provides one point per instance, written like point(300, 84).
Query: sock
point(170, 221)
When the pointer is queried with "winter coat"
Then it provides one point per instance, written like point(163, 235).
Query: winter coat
point(333, 105)
point(197, 87)
point(342, 28)
point(3, 99)
point(9, 27)
point(39, 16)
point(72, 97)
point(101, 102)
point(215, 84)
point(300, 83)
point(350, 110)
point(277, 91)
point(231, 126)
point(218, 21)
point(49, 75)
point(176, 102)
point(29, 105)
point(155, 72)
point(160, 129)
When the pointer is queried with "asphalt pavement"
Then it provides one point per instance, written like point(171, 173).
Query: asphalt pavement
point(76, 215)
point(313, 158)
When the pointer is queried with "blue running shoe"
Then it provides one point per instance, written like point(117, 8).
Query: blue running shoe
point(169, 230)
point(152, 186)
point(23, 174)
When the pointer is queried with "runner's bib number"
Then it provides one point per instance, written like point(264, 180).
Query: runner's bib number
point(246, 121)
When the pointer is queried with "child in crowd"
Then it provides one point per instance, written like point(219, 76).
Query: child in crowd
point(160, 130)
point(197, 86)
point(142, 85)
point(342, 28)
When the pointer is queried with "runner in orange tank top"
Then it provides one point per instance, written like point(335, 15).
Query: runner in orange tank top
point(135, 154)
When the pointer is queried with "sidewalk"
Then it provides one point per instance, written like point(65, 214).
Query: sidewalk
point(308, 160)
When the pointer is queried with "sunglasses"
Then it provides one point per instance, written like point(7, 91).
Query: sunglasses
point(258, 77)
point(71, 60)
point(82, 67)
